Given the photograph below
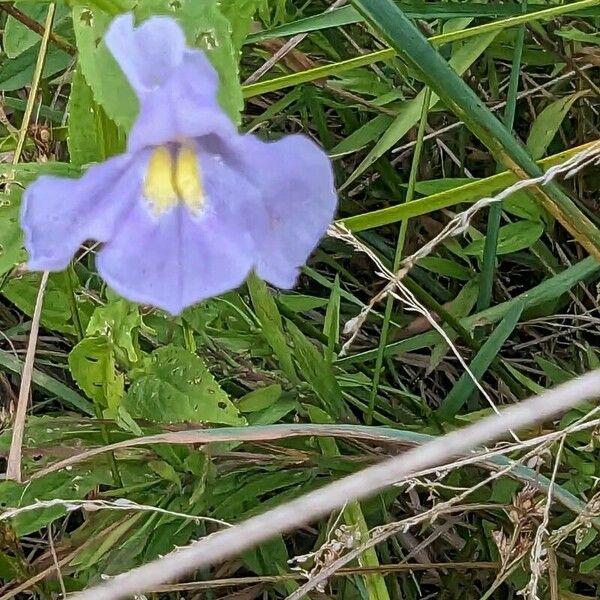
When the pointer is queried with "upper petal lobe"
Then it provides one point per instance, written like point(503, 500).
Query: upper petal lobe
point(296, 182)
point(177, 86)
point(185, 106)
point(148, 53)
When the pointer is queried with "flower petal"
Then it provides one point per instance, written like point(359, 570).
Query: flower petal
point(148, 53)
point(298, 191)
point(59, 214)
point(178, 259)
point(185, 107)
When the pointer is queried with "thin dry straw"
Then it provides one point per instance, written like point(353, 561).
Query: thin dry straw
point(247, 534)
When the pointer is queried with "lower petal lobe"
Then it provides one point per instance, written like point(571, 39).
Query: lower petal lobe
point(175, 260)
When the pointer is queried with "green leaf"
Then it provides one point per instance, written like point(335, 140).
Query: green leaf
point(511, 238)
point(17, 37)
point(590, 565)
point(446, 267)
point(120, 322)
point(259, 399)
point(17, 73)
point(331, 326)
point(271, 324)
point(177, 387)
point(56, 313)
point(25, 173)
point(240, 14)
point(51, 385)
point(553, 371)
point(465, 386)
point(579, 36)
point(92, 365)
point(11, 236)
point(522, 205)
point(101, 71)
point(92, 137)
point(166, 471)
point(317, 371)
point(67, 485)
point(84, 147)
point(548, 122)
point(300, 303)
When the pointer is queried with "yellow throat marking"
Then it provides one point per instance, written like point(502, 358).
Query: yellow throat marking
point(170, 180)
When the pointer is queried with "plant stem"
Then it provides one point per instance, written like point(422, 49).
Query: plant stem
point(383, 338)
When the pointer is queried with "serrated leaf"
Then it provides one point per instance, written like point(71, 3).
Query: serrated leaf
point(178, 388)
point(205, 28)
point(101, 71)
point(92, 137)
point(11, 236)
point(92, 365)
point(239, 13)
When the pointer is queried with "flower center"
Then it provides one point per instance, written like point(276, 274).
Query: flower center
point(174, 177)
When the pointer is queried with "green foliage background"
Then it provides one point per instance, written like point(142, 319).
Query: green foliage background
point(417, 130)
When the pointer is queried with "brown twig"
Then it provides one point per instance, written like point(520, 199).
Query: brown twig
point(32, 24)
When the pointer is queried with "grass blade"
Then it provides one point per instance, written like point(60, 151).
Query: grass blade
point(414, 48)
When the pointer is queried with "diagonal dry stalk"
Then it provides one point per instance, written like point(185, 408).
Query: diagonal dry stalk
point(456, 226)
point(13, 470)
point(381, 533)
point(309, 507)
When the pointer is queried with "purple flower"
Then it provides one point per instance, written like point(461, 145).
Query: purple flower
point(193, 206)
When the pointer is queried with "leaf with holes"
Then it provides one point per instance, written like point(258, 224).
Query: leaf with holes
point(11, 237)
point(177, 387)
point(205, 28)
point(92, 365)
point(101, 71)
point(120, 322)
